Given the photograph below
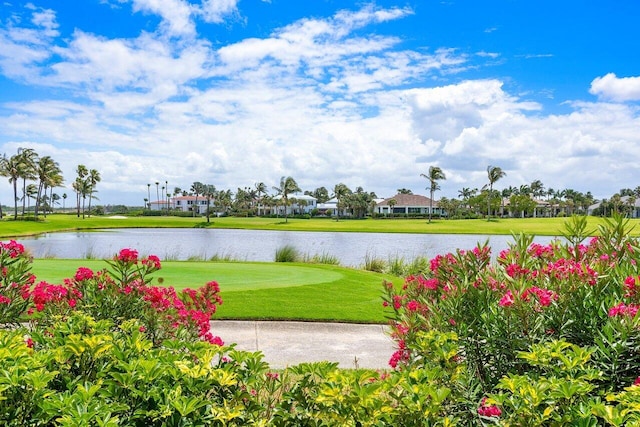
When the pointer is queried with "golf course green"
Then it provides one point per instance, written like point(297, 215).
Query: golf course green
point(252, 290)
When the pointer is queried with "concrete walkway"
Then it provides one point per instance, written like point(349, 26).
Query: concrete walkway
point(290, 343)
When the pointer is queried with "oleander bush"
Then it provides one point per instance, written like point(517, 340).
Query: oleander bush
point(548, 334)
point(539, 335)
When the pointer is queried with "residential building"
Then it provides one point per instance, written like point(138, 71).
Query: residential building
point(407, 204)
point(298, 204)
point(183, 203)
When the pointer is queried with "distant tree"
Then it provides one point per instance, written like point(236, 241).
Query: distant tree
point(321, 194)
point(359, 202)
point(27, 170)
point(435, 174)
point(209, 192)
point(494, 173)
point(404, 191)
point(31, 193)
point(54, 200)
point(48, 174)
point(261, 190)
point(92, 180)
point(392, 203)
point(450, 206)
point(288, 185)
point(10, 168)
point(79, 186)
point(340, 191)
point(197, 189)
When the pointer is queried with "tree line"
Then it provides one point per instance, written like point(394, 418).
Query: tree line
point(35, 177)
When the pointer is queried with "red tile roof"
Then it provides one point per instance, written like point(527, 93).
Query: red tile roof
point(413, 200)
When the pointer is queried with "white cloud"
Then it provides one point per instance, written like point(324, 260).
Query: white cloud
point(618, 89)
point(217, 10)
point(176, 15)
point(317, 99)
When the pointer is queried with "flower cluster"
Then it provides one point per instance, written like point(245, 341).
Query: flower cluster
point(486, 410)
point(48, 295)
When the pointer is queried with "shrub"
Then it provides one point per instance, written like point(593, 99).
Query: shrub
point(583, 294)
point(372, 263)
point(287, 253)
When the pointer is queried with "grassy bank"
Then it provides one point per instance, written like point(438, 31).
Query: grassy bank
point(536, 226)
point(263, 290)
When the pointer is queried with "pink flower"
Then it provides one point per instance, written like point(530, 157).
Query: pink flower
point(152, 261)
point(637, 381)
point(412, 305)
point(29, 342)
point(624, 310)
point(83, 273)
point(506, 300)
point(211, 339)
point(14, 248)
point(485, 410)
point(127, 255)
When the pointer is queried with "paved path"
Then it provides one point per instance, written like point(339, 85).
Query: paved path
point(290, 343)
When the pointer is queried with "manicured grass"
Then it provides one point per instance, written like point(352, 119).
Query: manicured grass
point(263, 290)
point(536, 226)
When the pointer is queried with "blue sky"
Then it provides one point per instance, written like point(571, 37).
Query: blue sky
point(370, 94)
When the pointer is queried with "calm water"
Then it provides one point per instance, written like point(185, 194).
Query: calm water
point(254, 245)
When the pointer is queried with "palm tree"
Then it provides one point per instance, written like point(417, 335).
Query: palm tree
point(48, 173)
point(31, 193)
point(54, 200)
point(494, 173)
point(287, 186)
point(158, 195)
point(340, 191)
point(392, 203)
point(197, 189)
point(92, 179)
point(56, 180)
point(435, 174)
point(10, 168)
point(79, 186)
point(64, 199)
point(209, 192)
point(148, 196)
point(27, 170)
point(261, 188)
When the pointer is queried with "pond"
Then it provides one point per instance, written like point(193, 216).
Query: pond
point(352, 249)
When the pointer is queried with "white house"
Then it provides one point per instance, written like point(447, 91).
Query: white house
point(627, 201)
point(298, 204)
point(407, 204)
point(183, 203)
point(330, 208)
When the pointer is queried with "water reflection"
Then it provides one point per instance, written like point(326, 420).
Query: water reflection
point(255, 245)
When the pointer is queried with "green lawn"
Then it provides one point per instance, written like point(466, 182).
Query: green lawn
point(537, 226)
point(263, 290)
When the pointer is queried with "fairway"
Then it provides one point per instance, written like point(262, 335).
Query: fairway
point(504, 226)
point(263, 290)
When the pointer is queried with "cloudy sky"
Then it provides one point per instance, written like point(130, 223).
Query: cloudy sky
point(235, 92)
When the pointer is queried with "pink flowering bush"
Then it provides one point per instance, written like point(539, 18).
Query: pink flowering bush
point(16, 281)
point(119, 292)
point(584, 291)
